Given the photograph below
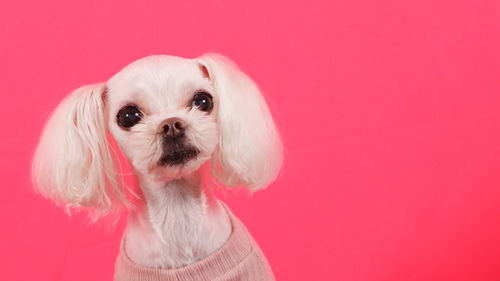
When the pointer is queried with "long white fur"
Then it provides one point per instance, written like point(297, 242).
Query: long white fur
point(249, 151)
point(179, 221)
point(73, 163)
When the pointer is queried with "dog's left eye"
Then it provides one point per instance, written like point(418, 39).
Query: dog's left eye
point(128, 116)
point(203, 101)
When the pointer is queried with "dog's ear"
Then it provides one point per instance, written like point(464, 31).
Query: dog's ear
point(250, 152)
point(73, 163)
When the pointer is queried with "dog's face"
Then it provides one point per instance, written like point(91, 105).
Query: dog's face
point(163, 113)
point(169, 115)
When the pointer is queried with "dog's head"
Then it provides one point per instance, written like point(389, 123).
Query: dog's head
point(169, 116)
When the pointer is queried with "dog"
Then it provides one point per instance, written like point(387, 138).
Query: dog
point(184, 125)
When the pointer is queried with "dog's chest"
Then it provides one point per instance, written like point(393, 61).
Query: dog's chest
point(175, 230)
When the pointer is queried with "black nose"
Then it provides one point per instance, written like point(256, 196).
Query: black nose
point(173, 127)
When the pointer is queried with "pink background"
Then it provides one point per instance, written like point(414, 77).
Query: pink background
point(389, 111)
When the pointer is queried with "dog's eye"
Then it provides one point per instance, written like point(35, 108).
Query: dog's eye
point(203, 101)
point(128, 116)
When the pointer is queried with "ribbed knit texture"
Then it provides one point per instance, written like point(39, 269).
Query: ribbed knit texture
point(240, 258)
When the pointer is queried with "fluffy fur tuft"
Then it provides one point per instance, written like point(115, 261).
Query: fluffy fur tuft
point(73, 163)
point(250, 152)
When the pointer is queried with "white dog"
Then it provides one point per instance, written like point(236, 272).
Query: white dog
point(183, 124)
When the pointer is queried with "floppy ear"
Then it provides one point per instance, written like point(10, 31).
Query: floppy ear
point(250, 151)
point(73, 163)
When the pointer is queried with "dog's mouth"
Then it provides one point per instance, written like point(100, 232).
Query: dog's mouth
point(178, 155)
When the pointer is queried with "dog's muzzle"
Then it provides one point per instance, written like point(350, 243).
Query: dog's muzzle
point(178, 155)
point(176, 151)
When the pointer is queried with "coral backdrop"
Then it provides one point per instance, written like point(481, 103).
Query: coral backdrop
point(389, 111)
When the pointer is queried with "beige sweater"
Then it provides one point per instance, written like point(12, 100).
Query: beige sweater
point(240, 258)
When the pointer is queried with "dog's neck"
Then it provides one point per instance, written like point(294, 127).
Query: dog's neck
point(178, 224)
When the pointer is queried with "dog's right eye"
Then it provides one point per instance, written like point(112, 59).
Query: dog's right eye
point(128, 116)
